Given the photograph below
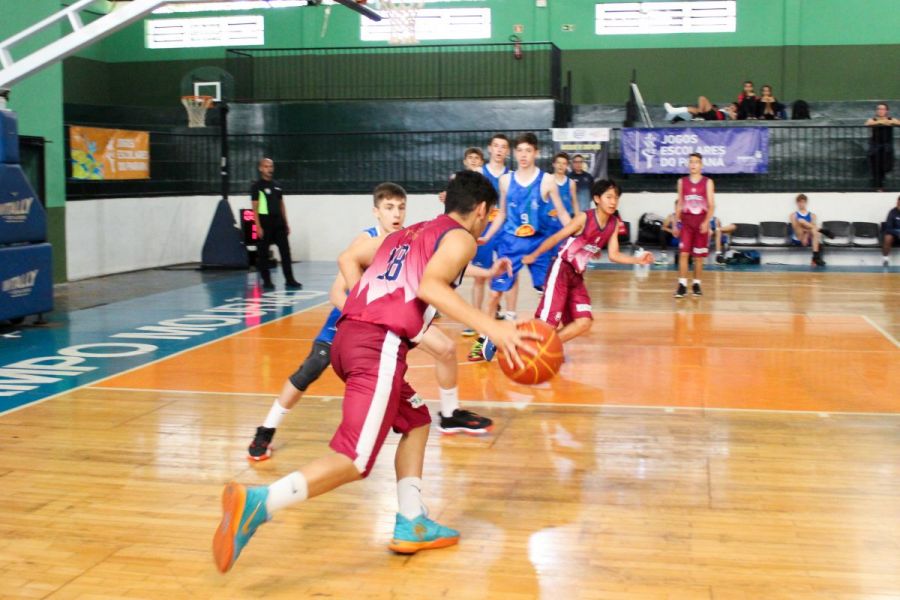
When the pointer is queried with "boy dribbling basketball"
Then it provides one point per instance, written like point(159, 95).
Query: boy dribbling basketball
point(566, 300)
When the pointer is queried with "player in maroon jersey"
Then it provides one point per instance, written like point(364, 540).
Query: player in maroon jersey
point(696, 206)
point(410, 274)
point(566, 300)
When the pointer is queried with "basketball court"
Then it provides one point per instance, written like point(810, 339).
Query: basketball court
point(743, 445)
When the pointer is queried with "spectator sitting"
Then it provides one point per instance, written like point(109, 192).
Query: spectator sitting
point(881, 144)
point(704, 110)
point(804, 231)
point(891, 231)
point(747, 102)
point(722, 233)
point(767, 106)
point(669, 234)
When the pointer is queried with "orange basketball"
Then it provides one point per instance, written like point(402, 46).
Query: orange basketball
point(544, 364)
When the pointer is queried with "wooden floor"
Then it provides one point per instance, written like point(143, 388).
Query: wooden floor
point(742, 446)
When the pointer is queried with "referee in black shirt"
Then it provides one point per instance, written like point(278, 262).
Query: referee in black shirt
point(271, 225)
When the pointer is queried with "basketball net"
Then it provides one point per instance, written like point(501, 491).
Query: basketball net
point(196, 107)
point(402, 16)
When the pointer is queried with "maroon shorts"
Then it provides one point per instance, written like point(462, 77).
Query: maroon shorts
point(692, 241)
point(565, 296)
point(372, 362)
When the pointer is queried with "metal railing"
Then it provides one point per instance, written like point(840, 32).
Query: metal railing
point(801, 158)
point(426, 72)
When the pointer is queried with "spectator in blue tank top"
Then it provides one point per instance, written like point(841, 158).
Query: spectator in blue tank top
point(805, 231)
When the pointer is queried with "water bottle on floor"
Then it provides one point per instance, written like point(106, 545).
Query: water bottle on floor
point(641, 271)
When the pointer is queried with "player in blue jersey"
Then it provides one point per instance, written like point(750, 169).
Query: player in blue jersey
point(517, 222)
point(550, 222)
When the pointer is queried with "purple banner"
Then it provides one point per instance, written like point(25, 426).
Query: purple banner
point(724, 150)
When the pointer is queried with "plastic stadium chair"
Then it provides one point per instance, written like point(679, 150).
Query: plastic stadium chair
point(841, 232)
point(866, 235)
point(773, 233)
point(745, 234)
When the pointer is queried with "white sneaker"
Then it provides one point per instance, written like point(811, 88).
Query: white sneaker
point(669, 108)
point(509, 315)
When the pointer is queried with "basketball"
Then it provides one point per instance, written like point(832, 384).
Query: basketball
point(545, 363)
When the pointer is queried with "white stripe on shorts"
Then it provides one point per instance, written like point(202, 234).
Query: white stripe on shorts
point(549, 289)
point(387, 366)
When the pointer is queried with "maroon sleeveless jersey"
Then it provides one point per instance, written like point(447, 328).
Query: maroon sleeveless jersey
point(696, 202)
point(387, 294)
point(578, 249)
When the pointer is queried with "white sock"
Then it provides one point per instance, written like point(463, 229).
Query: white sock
point(409, 497)
point(276, 414)
point(288, 490)
point(696, 282)
point(449, 401)
point(682, 281)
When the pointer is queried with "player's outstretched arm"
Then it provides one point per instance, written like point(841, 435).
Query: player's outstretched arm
point(574, 227)
point(501, 265)
point(616, 256)
point(453, 253)
point(573, 194)
point(337, 295)
point(548, 188)
point(353, 261)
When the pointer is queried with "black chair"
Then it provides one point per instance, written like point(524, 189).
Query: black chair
point(866, 235)
point(773, 233)
point(745, 234)
point(625, 236)
point(840, 232)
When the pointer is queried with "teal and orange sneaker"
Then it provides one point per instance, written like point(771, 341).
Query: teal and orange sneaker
point(421, 533)
point(243, 511)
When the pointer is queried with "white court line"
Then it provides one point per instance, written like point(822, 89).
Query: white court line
point(524, 404)
point(881, 330)
point(152, 362)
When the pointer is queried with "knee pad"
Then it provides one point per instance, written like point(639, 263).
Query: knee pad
point(312, 368)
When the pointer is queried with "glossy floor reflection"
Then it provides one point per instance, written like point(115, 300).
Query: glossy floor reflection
point(582, 490)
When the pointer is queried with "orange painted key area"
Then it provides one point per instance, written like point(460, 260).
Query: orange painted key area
point(690, 355)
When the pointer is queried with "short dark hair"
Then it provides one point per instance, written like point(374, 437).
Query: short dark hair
point(527, 138)
point(800, 197)
point(601, 185)
point(581, 156)
point(499, 136)
point(884, 104)
point(387, 191)
point(748, 81)
point(564, 155)
point(474, 150)
point(697, 154)
point(467, 190)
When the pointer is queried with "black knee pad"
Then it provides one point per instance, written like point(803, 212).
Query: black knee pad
point(312, 368)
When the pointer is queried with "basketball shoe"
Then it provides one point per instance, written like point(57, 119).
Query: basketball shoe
point(261, 447)
point(465, 421)
point(243, 511)
point(476, 354)
point(488, 350)
point(420, 533)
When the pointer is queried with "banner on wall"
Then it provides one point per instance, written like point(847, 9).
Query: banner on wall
point(590, 142)
point(98, 153)
point(724, 150)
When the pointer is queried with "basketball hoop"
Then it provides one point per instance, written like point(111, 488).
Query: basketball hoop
point(402, 16)
point(196, 107)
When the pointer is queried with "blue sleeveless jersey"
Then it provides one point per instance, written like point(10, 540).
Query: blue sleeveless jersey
point(523, 207)
point(326, 334)
point(495, 181)
point(550, 222)
point(807, 217)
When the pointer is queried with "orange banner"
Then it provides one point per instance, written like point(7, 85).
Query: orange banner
point(109, 153)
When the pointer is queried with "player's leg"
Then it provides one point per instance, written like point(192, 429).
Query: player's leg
point(446, 370)
point(699, 250)
point(577, 314)
point(413, 530)
point(478, 284)
point(886, 246)
point(372, 366)
point(262, 258)
point(313, 366)
point(284, 250)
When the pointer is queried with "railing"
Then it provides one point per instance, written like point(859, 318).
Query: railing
point(426, 72)
point(801, 158)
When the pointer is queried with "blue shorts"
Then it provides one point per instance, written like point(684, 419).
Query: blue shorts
point(326, 334)
point(515, 248)
point(484, 257)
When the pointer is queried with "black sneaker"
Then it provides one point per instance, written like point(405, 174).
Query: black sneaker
point(695, 289)
point(268, 285)
point(261, 447)
point(293, 285)
point(720, 258)
point(818, 261)
point(681, 291)
point(465, 421)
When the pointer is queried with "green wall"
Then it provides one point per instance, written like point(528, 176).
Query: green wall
point(811, 49)
point(38, 102)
